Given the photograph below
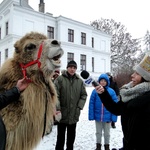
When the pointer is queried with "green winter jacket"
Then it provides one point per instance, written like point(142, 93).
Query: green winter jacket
point(71, 95)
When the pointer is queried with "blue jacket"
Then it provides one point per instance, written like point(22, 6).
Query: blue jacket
point(97, 111)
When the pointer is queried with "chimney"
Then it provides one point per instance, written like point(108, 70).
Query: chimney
point(42, 6)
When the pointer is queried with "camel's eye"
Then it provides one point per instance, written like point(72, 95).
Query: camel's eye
point(30, 47)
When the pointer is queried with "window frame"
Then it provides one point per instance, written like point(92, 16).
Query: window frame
point(6, 53)
point(82, 62)
point(83, 38)
point(7, 27)
point(50, 32)
point(70, 56)
point(70, 35)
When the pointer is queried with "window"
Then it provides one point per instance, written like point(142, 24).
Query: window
point(92, 42)
point(50, 32)
point(92, 64)
point(0, 33)
point(6, 28)
point(70, 35)
point(70, 56)
point(83, 38)
point(6, 54)
point(83, 62)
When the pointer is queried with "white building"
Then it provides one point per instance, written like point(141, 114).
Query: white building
point(88, 47)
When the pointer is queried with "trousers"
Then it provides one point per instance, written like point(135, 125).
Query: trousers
point(61, 133)
point(100, 127)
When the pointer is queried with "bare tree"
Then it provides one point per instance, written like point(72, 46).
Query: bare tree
point(123, 48)
point(147, 40)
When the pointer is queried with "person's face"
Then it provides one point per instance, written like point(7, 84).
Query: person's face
point(71, 70)
point(103, 82)
point(136, 78)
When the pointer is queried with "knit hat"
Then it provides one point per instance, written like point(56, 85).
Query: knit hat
point(143, 68)
point(72, 63)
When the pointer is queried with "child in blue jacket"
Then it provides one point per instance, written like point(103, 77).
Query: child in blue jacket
point(100, 114)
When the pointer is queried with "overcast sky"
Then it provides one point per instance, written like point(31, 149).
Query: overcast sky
point(134, 14)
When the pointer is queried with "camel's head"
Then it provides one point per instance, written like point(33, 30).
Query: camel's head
point(39, 53)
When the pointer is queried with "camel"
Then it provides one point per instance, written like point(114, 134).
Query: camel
point(27, 119)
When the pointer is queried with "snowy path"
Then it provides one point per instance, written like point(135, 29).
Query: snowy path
point(85, 136)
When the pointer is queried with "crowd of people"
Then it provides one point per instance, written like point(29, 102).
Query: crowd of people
point(106, 102)
point(72, 97)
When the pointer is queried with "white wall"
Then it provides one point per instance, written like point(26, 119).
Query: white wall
point(22, 20)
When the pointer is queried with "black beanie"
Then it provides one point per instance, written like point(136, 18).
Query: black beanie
point(72, 63)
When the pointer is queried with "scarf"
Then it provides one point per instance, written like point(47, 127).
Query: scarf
point(128, 92)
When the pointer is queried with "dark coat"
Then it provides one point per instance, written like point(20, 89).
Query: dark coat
point(5, 99)
point(135, 119)
point(72, 96)
point(114, 85)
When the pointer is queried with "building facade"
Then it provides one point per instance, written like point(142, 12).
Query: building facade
point(90, 48)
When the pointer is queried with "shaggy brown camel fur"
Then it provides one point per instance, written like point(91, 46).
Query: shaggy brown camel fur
point(27, 119)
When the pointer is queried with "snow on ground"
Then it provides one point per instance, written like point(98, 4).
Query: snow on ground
point(85, 133)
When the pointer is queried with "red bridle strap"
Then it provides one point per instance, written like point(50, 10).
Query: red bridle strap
point(23, 67)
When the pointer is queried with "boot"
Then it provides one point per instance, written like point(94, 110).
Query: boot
point(98, 146)
point(106, 147)
point(113, 125)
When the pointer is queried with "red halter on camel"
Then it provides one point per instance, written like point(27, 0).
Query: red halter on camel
point(23, 67)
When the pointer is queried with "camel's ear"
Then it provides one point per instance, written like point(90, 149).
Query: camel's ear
point(16, 45)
